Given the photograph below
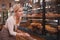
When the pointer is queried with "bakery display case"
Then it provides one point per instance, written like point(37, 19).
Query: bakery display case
point(41, 18)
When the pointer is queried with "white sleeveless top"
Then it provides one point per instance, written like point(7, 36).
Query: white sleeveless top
point(10, 23)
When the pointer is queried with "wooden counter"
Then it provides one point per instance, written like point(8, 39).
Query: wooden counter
point(34, 35)
point(38, 38)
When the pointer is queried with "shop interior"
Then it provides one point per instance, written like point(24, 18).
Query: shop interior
point(41, 17)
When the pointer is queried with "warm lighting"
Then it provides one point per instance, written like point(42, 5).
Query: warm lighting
point(16, 0)
point(47, 0)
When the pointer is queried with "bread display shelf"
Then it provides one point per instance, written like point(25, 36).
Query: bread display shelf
point(47, 16)
point(38, 26)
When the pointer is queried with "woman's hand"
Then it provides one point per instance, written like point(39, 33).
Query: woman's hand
point(26, 34)
point(23, 34)
point(19, 31)
point(19, 34)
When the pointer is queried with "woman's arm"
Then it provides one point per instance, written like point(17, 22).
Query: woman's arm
point(10, 25)
point(11, 28)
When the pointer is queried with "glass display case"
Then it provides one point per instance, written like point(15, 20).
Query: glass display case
point(42, 18)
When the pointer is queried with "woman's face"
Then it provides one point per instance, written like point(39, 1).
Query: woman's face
point(19, 12)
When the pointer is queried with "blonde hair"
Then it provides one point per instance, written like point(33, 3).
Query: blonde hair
point(16, 7)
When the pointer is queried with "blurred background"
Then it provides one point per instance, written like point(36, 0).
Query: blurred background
point(41, 17)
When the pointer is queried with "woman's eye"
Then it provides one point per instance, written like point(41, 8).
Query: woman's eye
point(19, 11)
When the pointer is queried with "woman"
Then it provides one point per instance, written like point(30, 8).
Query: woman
point(12, 23)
